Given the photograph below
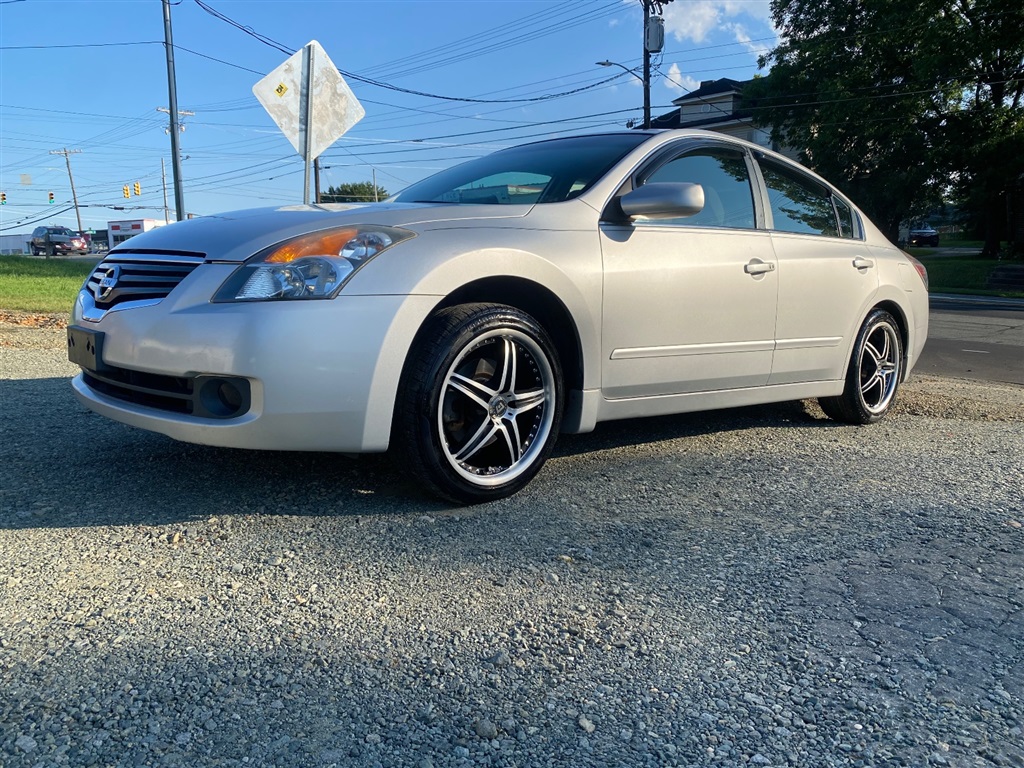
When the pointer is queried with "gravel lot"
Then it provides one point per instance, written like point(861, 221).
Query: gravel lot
point(749, 587)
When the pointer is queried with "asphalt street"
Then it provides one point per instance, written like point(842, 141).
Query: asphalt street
point(975, 339)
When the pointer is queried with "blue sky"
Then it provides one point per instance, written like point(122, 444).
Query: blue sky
point(90, 75)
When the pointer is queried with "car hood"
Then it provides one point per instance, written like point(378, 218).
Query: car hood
point(62, 238)
point(237, 235)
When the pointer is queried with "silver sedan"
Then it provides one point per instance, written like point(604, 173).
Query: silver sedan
point(466, 321)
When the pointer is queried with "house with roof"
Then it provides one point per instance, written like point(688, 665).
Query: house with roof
point(717, 105)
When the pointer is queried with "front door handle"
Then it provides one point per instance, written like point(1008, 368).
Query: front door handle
point(758, 267)
point(861, 263)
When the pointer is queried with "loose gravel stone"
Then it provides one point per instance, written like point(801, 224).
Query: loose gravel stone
point(755, 586)
point(485, 729)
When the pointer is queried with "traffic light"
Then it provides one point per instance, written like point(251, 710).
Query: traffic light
point(51, 198)
point(127, 193)
point(3, 198)
point(138, 188)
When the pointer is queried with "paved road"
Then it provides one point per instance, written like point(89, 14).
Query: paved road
point(975, 340)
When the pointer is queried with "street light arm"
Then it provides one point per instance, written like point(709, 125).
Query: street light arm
point(623, 67)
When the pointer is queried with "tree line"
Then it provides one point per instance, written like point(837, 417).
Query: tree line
point(354, 192)
point(905, 106)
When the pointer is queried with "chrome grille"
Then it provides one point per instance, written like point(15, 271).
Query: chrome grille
point(134, 277)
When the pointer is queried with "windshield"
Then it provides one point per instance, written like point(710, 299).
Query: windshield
point(545, 172)
point(60, 231)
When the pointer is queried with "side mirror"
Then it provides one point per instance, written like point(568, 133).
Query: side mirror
point(665, 200)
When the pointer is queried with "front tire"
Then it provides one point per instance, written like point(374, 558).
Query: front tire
point(874, 373)
point(479, 404)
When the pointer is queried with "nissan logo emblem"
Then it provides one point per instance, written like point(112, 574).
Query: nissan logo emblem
point(107, 283)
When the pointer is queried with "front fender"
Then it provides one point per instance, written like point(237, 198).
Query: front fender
point(440, 262)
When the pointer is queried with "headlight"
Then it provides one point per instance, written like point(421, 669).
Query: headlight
point(313, 266)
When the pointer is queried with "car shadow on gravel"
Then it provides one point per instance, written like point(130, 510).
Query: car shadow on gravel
point(64, 466)
point(634, 432)
point(67, 467)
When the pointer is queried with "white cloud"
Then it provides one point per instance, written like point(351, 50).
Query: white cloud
point(613, 22)
point(695, 20)
point(675, 81)
point(742, 36)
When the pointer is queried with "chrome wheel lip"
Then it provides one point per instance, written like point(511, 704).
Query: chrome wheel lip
point(880, 359)
point(501, 411)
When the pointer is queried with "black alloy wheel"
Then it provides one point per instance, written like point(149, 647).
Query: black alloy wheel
point(874, 373)
point(480, 403)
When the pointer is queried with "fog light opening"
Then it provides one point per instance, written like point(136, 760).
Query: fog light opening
point(224, 398)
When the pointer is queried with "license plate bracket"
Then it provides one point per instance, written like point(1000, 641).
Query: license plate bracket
point(85, 348)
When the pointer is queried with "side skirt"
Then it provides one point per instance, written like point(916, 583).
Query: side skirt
point(590, 407)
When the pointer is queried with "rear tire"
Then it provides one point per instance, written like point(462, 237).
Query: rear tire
point(874, 373)
point(479, 404)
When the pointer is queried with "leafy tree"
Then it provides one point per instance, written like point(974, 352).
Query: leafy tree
point(901, 104)
point(353, 192)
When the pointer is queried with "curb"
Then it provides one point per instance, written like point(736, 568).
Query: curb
point(994, 302)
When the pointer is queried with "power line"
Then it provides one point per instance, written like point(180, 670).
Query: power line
point(77, 45)
point(516, 26)
point(388, 86)
point(26, 223)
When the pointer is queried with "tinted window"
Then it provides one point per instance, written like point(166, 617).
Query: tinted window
point(798, 203)
point(728, 200)
point(545, 172)
point(847, 227)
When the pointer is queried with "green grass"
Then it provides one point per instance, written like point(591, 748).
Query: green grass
point(41, 285)
point(944, 243)
point(51, 285)
point(966, 275)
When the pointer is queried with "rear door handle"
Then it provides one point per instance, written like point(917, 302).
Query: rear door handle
point(861, 263)
point(758, 267)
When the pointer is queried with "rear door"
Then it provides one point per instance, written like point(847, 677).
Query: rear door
point(826, 274)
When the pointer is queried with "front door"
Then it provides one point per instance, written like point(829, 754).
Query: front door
point(689, 304)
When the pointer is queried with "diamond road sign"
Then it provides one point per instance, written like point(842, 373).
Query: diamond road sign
point(334, 108)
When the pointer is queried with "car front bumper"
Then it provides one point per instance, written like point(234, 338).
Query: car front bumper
point(322, 374)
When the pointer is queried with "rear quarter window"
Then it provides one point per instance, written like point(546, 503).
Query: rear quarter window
point(798, 203)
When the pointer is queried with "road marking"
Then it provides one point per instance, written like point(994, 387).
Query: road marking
point(975, 351)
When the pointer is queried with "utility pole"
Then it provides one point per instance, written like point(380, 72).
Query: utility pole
point(163, 180)
point(172, 95)
point(316, 179)
point(177, 166)
point(647, 65)
point(654, 42)
point(374, 184)
point(67, 158)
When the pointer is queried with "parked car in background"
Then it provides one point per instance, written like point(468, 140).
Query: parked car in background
point(57, 241)
point(465, 322)
point(924, 235)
